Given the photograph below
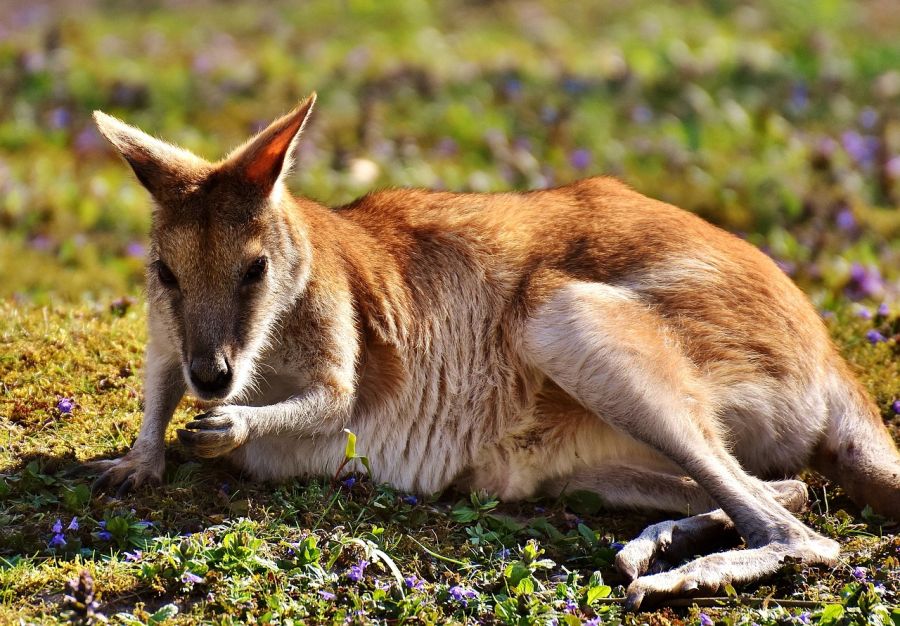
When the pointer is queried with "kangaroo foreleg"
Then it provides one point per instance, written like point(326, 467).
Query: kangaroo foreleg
point(320, 409)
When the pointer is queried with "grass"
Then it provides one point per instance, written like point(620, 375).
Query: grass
point(778, 120)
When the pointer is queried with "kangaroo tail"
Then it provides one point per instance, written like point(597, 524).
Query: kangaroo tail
point(856, 450)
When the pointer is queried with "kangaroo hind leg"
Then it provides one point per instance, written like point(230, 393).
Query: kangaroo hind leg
point(613, 354)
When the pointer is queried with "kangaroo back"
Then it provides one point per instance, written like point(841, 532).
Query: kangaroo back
point(857, 451)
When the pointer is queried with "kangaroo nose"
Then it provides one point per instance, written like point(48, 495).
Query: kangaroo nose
point(211, 374)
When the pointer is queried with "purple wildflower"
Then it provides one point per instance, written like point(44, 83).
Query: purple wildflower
point(617, 545)
point(103, 534)
point(73, 525)
point(358, 571)
point(57, 526)
point(799, 96)
point(571, 606)
point(349, 482)
point(88, 140)
point(706, 620)
point(861, 148)
point(580, 158)
point(512, 88)
point(327, 594)
point(896, 407)
point(874, 337)
point(383, 585)
point(410, 499)
point(58, 541)
point(42, 243)
point(191, 577)
point(549, 114)
point(60, 117)
point(883, 309)
point(574, 85)
point(594, 621)
point(868, 117)
point(788, 267)
point(134, 557)
point(845, 219)
point(135, 249)
point(414, 582)
point(863, 313)
point(859, 573)
point(503, 553)
point(462, 595)
point(804, 617)
point(864, 281)
point(447, 146)
point(65, 405)
point(641, 114)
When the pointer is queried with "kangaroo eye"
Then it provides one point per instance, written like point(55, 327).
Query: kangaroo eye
point(166, 277)
point(256, 271)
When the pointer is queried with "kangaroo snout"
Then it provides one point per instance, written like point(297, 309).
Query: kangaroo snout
point(211, 374)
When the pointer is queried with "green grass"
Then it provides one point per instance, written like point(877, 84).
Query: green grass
point(776, 119)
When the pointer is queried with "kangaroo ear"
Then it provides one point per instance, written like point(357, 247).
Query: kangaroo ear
point(263, 160)
point(165, 170)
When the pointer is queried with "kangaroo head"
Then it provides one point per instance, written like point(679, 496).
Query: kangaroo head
point(226, 258)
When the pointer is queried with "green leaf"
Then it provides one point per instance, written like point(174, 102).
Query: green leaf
point(350, 450)
point(76, 499)
point(507, 610)
point(516, 572)
point(525, 587)
point(584, 502)
point(543, 525)
point(462, 513)
point(831, 614)
point(365, 462)
point(595, 593)
point(587, 534)
point(118, 526)
point(166, 612)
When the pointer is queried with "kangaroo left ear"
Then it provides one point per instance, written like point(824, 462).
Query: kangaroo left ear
point(165, 170)
point(265, 158)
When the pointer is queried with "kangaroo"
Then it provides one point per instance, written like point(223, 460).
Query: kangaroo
point(580, 337)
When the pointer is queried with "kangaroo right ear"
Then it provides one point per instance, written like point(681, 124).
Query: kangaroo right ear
point(164, 170)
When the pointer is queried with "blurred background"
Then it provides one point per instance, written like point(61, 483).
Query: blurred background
point(777, 119)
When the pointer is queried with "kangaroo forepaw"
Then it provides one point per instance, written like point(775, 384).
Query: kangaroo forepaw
point(127, 473)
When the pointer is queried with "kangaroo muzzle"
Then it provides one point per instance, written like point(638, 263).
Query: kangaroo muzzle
point(211, 374)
